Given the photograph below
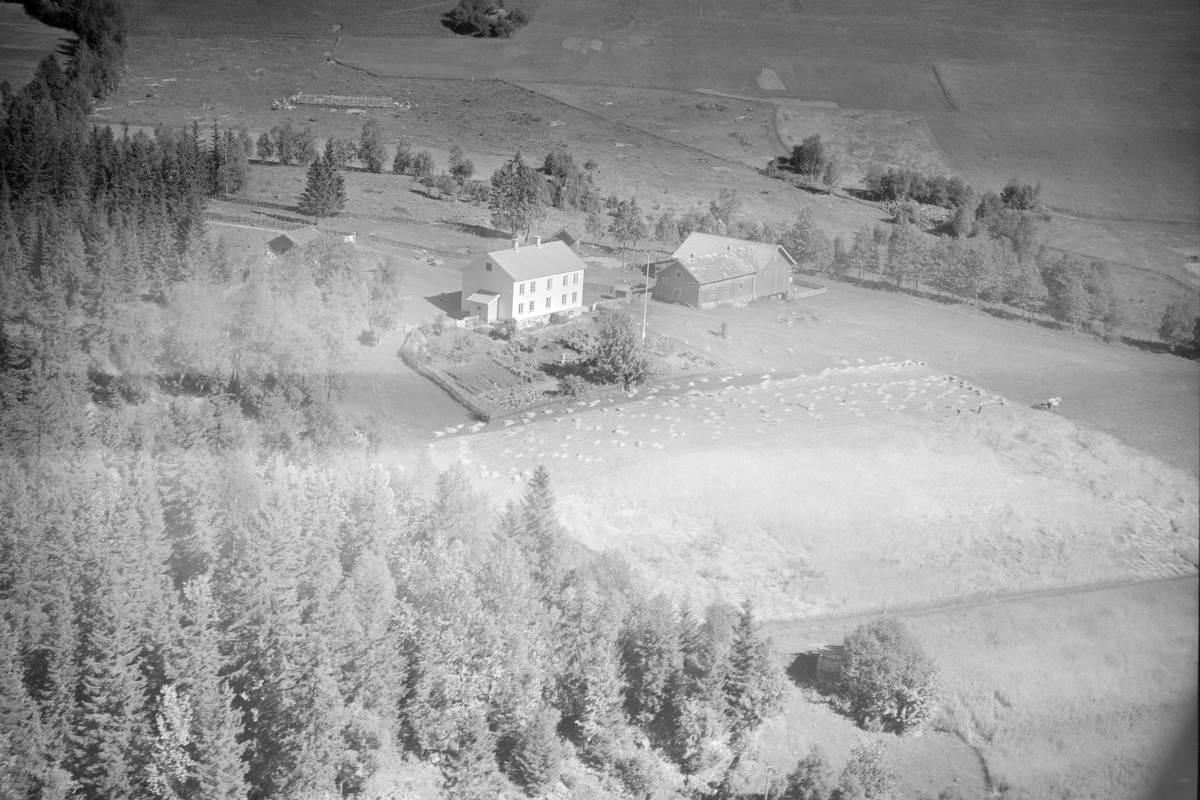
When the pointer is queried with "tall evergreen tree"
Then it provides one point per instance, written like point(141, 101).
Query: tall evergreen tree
point(325, 190)
point(518, 198)
point(755, 685)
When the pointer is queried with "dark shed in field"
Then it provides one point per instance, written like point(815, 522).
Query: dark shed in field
point(301, 237)
point(566, 238)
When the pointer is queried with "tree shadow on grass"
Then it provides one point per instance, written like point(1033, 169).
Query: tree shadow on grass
point(482, 231)
point(1161, 347)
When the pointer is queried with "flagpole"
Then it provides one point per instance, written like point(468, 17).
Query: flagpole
point(646, 296)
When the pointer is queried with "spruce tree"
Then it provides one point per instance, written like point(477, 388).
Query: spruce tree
point(109, 721)
point(537, 758)
point(754, 685)
point(217, 769)
point(325, 190)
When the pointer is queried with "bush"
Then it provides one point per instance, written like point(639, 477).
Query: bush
point(866, 775)
point(887, 680)
point(1176, 326)
point(578, 339)
point(572, 386)
point(1021, 196)
point(485, 18)
point(505, 329)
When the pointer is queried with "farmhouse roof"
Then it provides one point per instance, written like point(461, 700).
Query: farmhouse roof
point(301, 236)
point(483, 296)
point(701, 244)
point(720, 266)
point(532, 261)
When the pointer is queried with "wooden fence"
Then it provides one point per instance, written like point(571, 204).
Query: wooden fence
point(341, 101)
point(266, 221)
point(389, 241)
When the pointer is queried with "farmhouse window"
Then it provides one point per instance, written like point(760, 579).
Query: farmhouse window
point(575, 278)
point(677, 291)
point(678, 273)
point(547, 302)
point(691, 285)
point(573, 296)
point(549, 284)
point(487, 265)
point(564, 280)
point(564, 302)
point(520, 308)
point(520, 288)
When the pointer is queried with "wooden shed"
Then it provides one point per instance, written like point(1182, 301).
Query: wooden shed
point(566, 238)
point(301, 237)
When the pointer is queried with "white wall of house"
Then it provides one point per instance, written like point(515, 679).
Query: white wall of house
point(527, 299)
point(538, 297)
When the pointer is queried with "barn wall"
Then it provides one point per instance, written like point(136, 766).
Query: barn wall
point(774, 277)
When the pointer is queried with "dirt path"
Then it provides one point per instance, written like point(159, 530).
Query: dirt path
point(793, 637)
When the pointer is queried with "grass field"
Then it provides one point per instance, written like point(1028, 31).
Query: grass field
point(286, 18)
point(1093, 101)
point(1130, 653)
point(24, 41)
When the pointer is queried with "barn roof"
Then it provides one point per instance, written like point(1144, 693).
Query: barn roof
point(720, 266)
point(483, 296)
point(564, 235)
point(303, 236)
point(701, 244)
point(532, 261)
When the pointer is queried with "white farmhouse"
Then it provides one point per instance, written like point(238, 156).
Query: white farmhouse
point(524, 283)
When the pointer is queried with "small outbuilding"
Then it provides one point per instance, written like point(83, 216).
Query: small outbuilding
point(301, 237)
point(566, 238)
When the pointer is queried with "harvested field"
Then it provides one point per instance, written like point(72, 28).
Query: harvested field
point(831, 492)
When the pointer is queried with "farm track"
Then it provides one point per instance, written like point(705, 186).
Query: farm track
point(818, 626)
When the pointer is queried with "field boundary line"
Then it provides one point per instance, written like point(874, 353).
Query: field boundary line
point(981, 599)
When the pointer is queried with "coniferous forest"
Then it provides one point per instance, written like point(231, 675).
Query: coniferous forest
point(207, 590)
